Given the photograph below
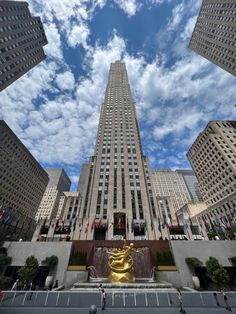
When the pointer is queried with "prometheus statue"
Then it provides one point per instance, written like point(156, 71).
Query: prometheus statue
point(121, 264)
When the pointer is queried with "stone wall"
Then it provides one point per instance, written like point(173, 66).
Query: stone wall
point(19, 251)
point(221, 250)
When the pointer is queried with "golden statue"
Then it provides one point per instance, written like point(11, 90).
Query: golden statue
point(121, 264)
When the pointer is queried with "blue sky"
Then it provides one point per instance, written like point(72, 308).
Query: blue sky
point(54, 109)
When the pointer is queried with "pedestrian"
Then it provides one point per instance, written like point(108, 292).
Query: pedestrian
point(15, 285)
point(100, 287)
point(228, 308)
point(182, 310)
point(30, 294)
point(103, 299)
point(216, 299)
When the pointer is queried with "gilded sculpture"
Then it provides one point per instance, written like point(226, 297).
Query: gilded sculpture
point(121, 264)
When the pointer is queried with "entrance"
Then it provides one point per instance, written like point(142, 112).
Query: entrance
point(119, 225)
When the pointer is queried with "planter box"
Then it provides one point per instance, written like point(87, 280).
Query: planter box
point(77, 267)
point(166, 268)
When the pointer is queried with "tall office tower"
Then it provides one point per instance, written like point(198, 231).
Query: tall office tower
point(213, 159)
point(214, 33)
point(171, 191)
point(118, 201)
point(191, 183)
point(22, 181)
point(21, 41)
point(58, 182)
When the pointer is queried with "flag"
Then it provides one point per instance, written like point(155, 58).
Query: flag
point(168, 223)
point(87, 226)
point(132, 226)
point(93, 224)
point(73, 224)
point(111, 224)
point(145, 224)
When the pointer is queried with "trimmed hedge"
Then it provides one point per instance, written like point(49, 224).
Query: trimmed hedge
point(165, 259)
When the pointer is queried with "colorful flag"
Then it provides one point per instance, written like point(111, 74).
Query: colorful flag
point(93, 224)
point(87, 226)
point(111, 224)
point(168, 223)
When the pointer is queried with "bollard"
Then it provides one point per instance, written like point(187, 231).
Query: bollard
point(93, 309)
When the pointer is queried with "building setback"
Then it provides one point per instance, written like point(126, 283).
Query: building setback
point(51, 202)
point(214, 35)
point(117, 200)
point(213, 159)
point(21, 41)
point(191, 183)
point(22, 180)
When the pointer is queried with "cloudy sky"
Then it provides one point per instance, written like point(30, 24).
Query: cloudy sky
point(54, 109)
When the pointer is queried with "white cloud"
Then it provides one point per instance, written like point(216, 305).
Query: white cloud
point(78, 35)
point(188, 30)
point(53, 48)
point(65, 81)
point(130, 7)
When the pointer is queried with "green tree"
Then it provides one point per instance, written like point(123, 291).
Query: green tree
point(216, 272)
point(29, 270)
point(50, 262)
point(192, 263)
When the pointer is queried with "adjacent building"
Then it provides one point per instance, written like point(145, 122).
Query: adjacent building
point(21, 41)
point(191, 183)
point(22, 184)
point(58, 183)
point(214, 33)
point(117, 199)
point(213, 159)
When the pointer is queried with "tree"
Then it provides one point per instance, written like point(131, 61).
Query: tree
point(192, 263)
point(216, 272)
point(50, 262)
point(29, 270)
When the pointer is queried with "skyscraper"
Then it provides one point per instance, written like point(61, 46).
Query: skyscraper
point(58, 183)
point(21, 41)
point(191, 183)
point(22, 184)
point(214, 33)
point(213, 159)
point(171, 192)
point(117, 200)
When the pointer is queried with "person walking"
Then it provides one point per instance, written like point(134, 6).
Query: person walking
point(103, 299)
point(228, 308)
point(182, 310)
point(15, 285)
point(216, 299)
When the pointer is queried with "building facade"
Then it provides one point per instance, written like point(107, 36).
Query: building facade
point(118, 199)
point(213, 159)
point(170, 187)
point(191, 183)
point(214, 34)
point(58, 182)
point(21, 42)
point(22, 182)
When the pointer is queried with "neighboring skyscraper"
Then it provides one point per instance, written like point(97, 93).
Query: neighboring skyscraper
point(170, 185)
point(191, 183)
point(21, 41)
point(213, 159)
point(58, 182)
point(118, 201)
point(22, 181)
point(214, 33)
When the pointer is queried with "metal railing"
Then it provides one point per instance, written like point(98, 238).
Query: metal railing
point(115, 299)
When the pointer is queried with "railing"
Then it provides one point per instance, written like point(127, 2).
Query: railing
point(114, 299)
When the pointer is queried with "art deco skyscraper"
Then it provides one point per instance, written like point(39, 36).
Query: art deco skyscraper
point(213, 159)
point(21, 40)
point(118, 200)
point(214, 33)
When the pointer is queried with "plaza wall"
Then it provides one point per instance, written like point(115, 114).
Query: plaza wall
point(19, 251)
point(221, 250)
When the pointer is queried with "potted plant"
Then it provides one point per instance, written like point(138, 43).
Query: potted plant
point(192, 263)
point(28, 272)
point(233, 260)
point(216, 272)
point(51, 262)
